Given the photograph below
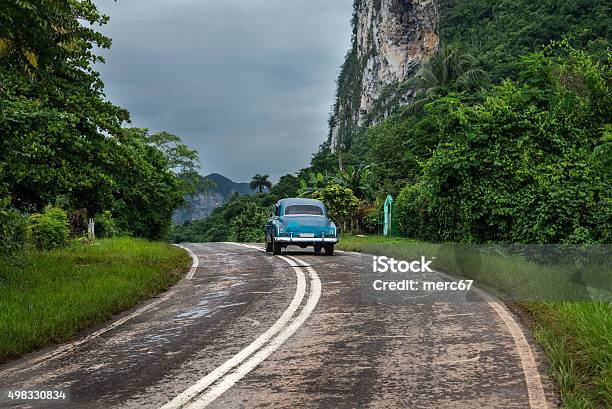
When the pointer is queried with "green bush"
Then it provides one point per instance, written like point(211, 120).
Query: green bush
point(526, 164)
point(341, 203)
point(12, 230)
point(248, 226)
point(106, 226)
point(49, 229)
point(412, 211)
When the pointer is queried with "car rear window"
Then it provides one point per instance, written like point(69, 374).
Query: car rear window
point(304, 209)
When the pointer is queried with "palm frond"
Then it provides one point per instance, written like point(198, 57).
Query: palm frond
point(473, 76)
point(415, 107)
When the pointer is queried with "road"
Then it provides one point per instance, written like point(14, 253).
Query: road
point(248, 329)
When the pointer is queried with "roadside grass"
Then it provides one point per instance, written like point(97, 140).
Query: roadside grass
point(576, 336)
point(48, 297)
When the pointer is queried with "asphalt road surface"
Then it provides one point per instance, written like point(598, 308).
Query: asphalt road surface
point(247, 329)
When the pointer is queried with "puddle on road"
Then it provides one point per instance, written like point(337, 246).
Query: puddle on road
point(203, 308)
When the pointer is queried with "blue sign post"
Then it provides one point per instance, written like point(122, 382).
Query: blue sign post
point(388, 215)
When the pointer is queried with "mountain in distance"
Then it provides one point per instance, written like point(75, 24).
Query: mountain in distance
point(202, 204)
point(227, 187)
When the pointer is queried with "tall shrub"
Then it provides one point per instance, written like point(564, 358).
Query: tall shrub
point(526, 164)
point(106, 226)
point(12, 230)
point(340, 201)
point(49, 229)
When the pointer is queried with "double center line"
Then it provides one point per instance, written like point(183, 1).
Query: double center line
point(213, 385)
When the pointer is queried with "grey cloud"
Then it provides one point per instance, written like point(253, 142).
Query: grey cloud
point(248, 83)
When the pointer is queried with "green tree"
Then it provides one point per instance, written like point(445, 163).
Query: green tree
point(54, 121)
point(355, 178)
point(313, 181)
point(248, 225)
point(61, 138)
point(523, 165)
point(287, 186)
point(146, 181)
point(340, 201)
point(448, 66)
point(260, 182)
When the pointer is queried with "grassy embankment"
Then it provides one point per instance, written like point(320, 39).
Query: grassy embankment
point(576, 336)
point(47, 297)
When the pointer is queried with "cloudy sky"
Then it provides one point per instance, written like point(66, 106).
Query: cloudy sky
point(248, 83)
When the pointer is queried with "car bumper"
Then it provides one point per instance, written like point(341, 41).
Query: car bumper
point(306, 239)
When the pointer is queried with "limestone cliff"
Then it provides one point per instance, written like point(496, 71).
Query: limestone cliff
point(201, 205)
point(391, 38)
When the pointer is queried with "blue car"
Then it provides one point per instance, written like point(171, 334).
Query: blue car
point(300, 222)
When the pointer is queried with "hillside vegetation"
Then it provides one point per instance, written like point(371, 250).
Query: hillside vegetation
point(63, 143)
point(510, 140)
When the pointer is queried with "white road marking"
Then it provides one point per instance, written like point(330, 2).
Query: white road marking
point(456, 315)
point(67, 348)
point(228, 381)
point(533, 380)
point(240, 358)
point(537, 397)
point(194, 262)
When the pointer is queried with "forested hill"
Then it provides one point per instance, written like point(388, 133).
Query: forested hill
point(227, 187)
point(391, 40)
point(498, 33)
point(488, 121)
point(200, 205)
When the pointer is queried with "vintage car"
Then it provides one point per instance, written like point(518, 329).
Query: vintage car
point(300, 222)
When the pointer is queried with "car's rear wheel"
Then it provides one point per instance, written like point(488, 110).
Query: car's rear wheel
point(276, 248)
point(317, 248)
point(268, 244)
point(329, 249)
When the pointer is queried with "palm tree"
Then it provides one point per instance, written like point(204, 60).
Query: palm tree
point(448, 66)
point(260, 182)
point(355, 179)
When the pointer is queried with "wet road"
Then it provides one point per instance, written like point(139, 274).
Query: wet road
point(248, 329)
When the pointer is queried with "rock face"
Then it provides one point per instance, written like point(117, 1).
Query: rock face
point(201, 205)
point(391, 39)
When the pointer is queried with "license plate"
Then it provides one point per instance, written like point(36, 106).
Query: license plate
point(309, 235)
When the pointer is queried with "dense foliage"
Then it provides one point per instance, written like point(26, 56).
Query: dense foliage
point(242, 218)
point(514, 147)
point(12, 230)
point(61, 140)
point(49, 229)
point(340, 201)
point(499, 32)
point(519, 165)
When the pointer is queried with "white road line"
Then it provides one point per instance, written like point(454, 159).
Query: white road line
point(533, 380)
point(537, 397)
point(195, 262)
point(67, 348)
point(247, 246)
point(237, 359)
point(228, 381)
